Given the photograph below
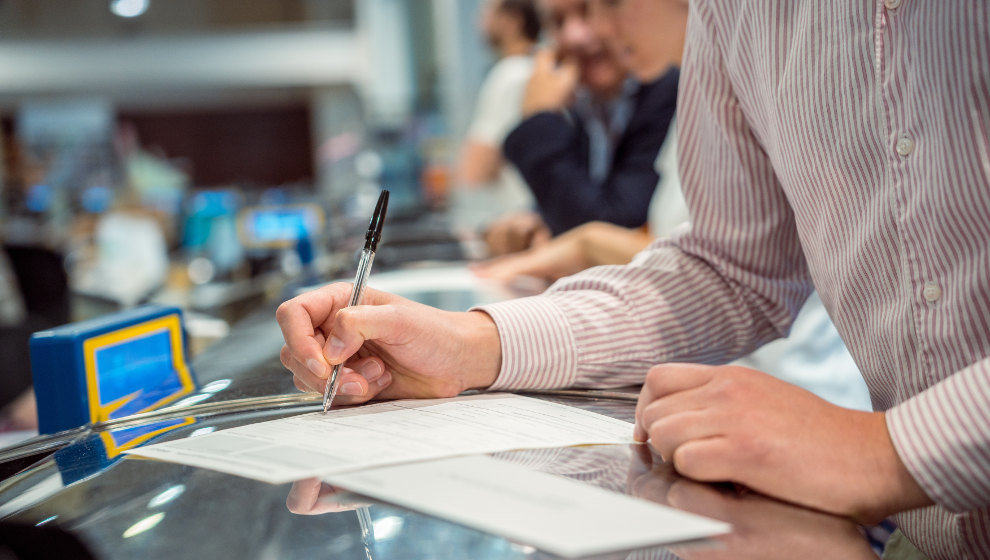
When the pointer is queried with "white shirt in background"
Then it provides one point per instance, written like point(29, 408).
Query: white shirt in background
point(498, 111)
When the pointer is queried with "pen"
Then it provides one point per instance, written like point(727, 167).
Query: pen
point(360, 279)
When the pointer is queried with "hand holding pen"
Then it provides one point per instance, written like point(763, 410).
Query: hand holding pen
point(371, 240)
point(393, 347)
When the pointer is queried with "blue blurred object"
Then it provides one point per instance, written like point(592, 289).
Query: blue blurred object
point(109, 367)
point(39, 198)
point(96, 199)
point(279, 226)
point(304, 248)
point(211, 228)
point(202, 209)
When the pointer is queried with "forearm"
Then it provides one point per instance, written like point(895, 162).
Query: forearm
point(603, 243)
point(606, 326)
point(670, 305)
point(479, 163)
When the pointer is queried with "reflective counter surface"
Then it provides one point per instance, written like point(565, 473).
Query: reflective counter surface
point(121, 506)
point(127, 507)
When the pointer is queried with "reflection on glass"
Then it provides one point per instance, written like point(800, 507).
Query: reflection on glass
point(145, 524)
point(386, 527)
point(195, 399)
point(128, 8)
point(167, 496)
point(763, 528)
point(216, 386)
point(202, 431)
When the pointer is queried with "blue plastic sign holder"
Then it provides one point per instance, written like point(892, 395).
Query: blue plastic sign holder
point(97, 452)
point(110, 367)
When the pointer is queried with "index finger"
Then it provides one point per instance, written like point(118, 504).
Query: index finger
point(667, 379)
point(299, 318)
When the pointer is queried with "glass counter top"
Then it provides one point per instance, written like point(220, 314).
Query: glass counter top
point(122, 506)
point(125, 507)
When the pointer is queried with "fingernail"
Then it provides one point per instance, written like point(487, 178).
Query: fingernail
point(371, 370)
point(384, 380)
point(316, 367)
point(336, 347)
point(351, 388)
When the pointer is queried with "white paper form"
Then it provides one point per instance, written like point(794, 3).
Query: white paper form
point(388, 433)
point(555, 514)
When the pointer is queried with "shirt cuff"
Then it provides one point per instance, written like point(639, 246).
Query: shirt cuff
point(538, 348)
point(943, 436)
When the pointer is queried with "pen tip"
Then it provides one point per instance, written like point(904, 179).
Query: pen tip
point(382, 205)
point(375, 227)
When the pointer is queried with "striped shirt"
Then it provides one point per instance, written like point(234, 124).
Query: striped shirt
point(843, 146)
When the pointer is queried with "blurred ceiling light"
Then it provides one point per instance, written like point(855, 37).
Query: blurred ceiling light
point(129, 8)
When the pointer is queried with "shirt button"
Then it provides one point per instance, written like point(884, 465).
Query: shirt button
point(892, 4)
point(905, 145)
point(932, 292)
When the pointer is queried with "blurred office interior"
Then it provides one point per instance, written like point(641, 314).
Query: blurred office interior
point(217, 154)
point(182, 150)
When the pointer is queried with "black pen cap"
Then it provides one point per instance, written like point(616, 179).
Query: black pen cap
point(374, 234)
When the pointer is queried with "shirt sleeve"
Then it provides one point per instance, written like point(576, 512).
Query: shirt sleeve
point(943, 437)
point(499, 105)
point(735, 280)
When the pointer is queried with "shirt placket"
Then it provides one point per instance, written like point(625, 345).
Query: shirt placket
point(921, 293)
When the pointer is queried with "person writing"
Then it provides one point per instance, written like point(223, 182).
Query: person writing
point(647, 36)
point(851, 159)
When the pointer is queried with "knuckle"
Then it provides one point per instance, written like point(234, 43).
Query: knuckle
point(654, 377)
point(284, 310)
point(344, 318)
point(754, 451)
point(652, 414)
point(725, 387)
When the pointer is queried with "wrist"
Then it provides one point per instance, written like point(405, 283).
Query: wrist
point(536, 106)
point(895, 489)
point(906, 492)
point(483, 350)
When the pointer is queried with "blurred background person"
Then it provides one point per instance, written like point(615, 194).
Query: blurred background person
point(16, 400)
point(590, 137)
point(487, 185)
point(648, 37)
point(33, 294)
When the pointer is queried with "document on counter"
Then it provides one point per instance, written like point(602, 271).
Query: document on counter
point(558, 515)
point(389, 433)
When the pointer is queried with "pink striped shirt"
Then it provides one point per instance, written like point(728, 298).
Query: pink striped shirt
point(844, 144)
